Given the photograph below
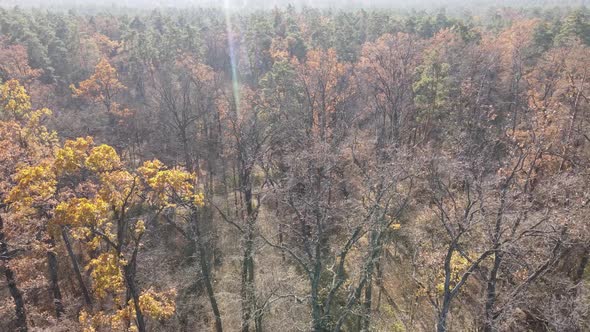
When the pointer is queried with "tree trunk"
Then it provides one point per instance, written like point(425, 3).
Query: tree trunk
point(368, 303)
point(17, 296)
point(248, 292)
point(185, 150)
point(132, 289)
point(366, 317)
point(54, 282)
point(447, 297)
point(316, 311)
point(317, 308)
point(441, 325)
point(129, 271)
point(258, 321)
point(76, 266)
point(206, 272)
point(491, 294)
point(373, 257)
point(247, 278)
point(583, 264)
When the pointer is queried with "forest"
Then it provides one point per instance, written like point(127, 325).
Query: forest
point(295, 168)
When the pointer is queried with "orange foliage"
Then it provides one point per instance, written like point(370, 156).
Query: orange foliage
point(14, 63)
point(106, 45)
point(102, 86)
point(512, 45)
point(327, 87)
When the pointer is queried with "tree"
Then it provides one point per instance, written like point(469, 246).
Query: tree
point(247, 135)
point(15, 63)
point(186, 91)
point(388, 65)
point(514, 56)
point(107, 218)
point(432, 88)
point(575, 25)
point(327, 86)
point(24, 139)
point(104, 87)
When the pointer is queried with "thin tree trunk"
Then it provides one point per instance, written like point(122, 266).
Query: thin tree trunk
point(493, 277)
point(374, 256)
point(247, 279)
point(17, 296)
point(133, 292)
point(185, 150)
point(317, 310)
point(366, 317)
point(583, 264)
point(54, 282)
point(248, 287)
point(129, 271)
point(205, 271)
point(244, 295)
point(441, 325)
point(83, 288)
point(570, 131)
point(236, 203)
point(491, 294)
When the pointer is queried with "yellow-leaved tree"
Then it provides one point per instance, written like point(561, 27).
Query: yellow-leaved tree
point(104, 88)
point(106, 207)
point(25, 140)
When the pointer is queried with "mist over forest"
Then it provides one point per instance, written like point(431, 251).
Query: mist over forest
point(269, 4)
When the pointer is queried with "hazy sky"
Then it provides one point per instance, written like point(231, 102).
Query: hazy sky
point(272, 3)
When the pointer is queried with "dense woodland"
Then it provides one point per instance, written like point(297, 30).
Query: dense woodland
point(295, 169)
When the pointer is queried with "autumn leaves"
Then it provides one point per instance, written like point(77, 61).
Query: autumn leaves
point(85, 190)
